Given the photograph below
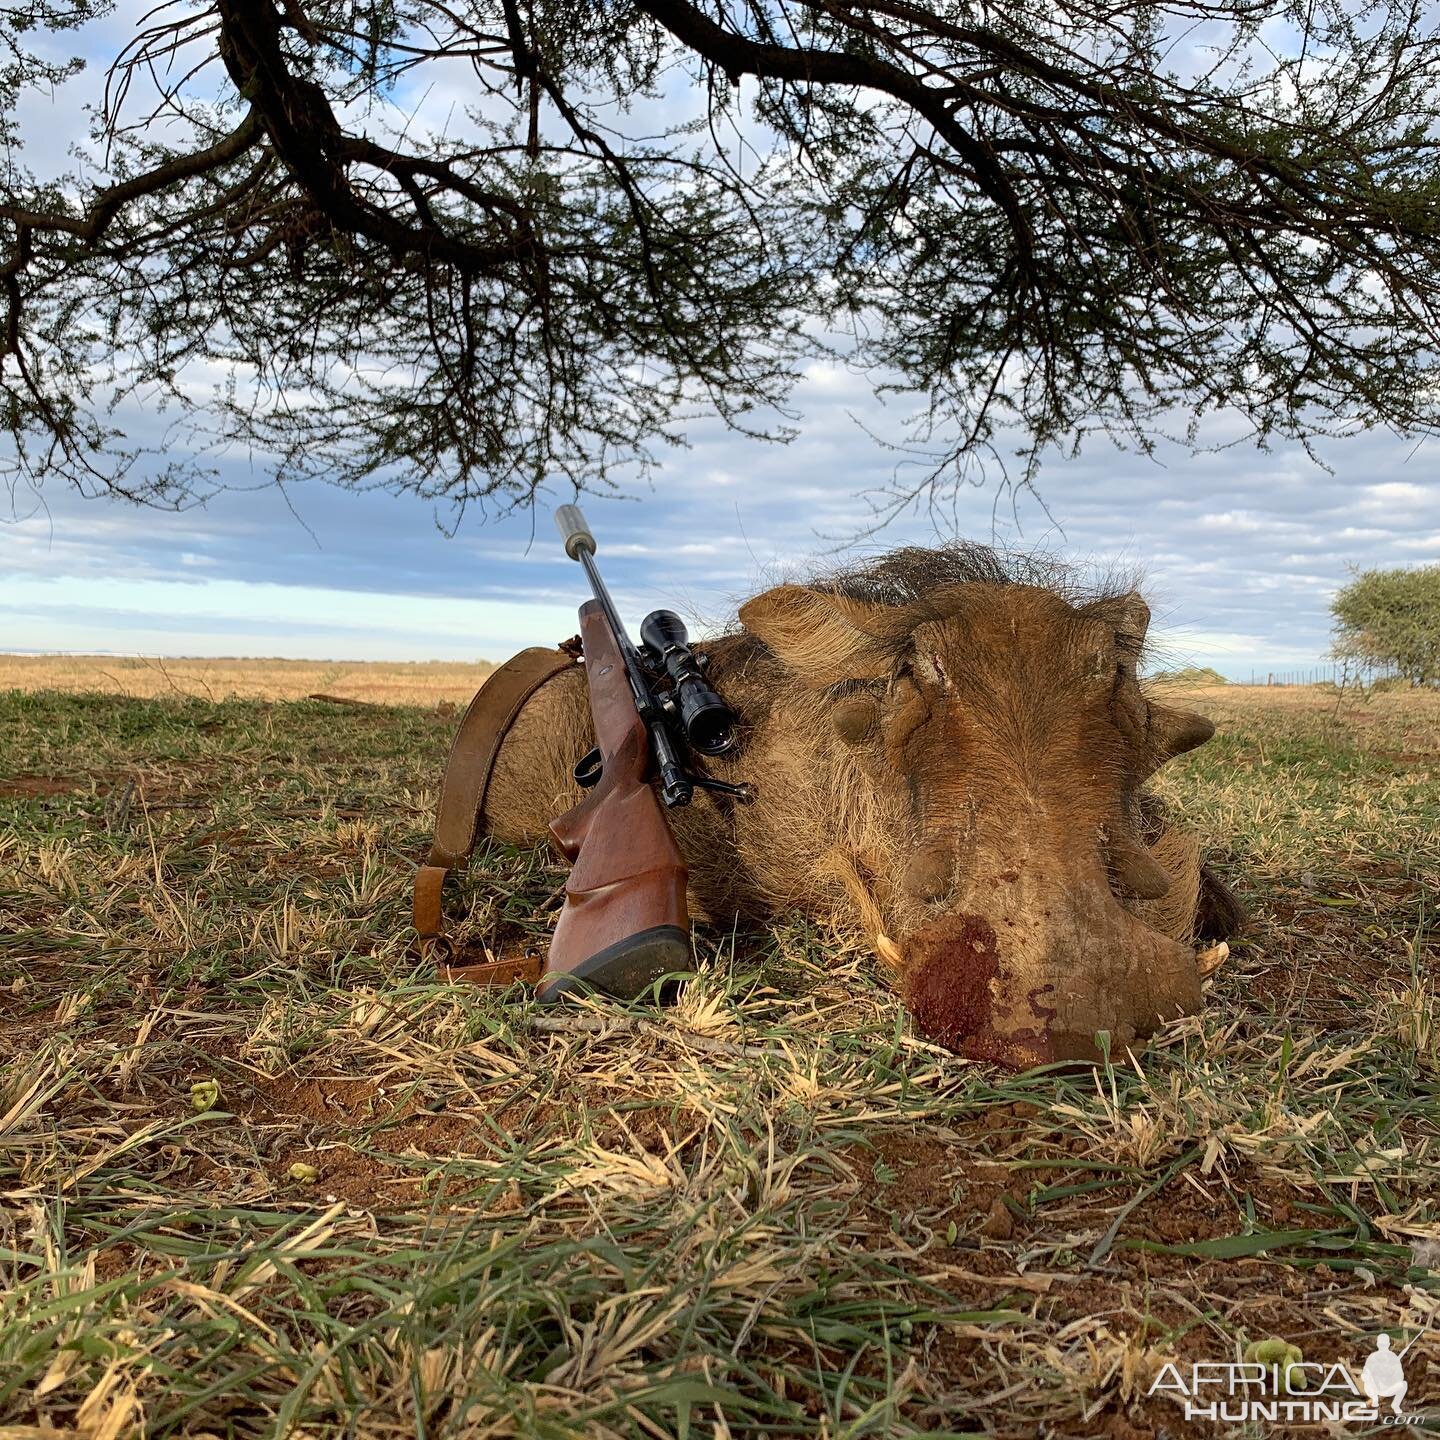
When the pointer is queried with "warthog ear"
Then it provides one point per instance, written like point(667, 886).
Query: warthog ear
point(826, 638)
point(1164, 732)
point(1128, 613)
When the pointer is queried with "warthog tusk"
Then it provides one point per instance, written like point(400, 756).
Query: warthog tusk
point(887, 950)
point(1209, 960)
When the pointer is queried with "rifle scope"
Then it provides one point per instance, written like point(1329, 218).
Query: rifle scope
point(709, 723)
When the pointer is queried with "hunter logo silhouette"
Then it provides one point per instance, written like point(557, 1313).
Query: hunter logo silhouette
point(1383, 1375)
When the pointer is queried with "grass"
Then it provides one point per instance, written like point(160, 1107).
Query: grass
point(147, 677)
point(261, 1175)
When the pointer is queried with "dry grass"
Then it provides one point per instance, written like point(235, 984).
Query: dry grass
point(429, 682)
point(409, 1208)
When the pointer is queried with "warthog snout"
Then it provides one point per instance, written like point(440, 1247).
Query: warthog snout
point(1027, 969)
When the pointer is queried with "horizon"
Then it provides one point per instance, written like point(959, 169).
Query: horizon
point(1241, 548)
point(1281, 673)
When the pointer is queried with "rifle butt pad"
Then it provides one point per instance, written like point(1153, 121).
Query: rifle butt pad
point(625, 969)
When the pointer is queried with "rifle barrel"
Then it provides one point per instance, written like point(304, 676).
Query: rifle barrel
point(675, 786)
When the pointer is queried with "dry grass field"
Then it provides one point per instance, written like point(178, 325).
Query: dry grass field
point(261, 1175)
point(429, 682)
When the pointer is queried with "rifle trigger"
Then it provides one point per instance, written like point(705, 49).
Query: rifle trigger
point(588, 769)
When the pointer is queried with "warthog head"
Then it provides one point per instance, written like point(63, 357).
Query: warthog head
point(981, 745)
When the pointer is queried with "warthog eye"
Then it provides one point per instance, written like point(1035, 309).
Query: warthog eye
point(855, 718)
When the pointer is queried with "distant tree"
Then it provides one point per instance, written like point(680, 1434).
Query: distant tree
point(1035, 219)
point(1391, 619)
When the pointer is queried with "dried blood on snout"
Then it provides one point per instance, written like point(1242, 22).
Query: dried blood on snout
point(948, 989)
point(949, 992)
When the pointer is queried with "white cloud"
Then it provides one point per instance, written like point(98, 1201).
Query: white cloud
point(1240, 521)
point(1402, 490)
point(228, 617)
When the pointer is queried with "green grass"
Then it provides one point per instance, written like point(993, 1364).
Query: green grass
point(769, 1211)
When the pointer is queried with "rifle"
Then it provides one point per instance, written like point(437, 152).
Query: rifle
point(624, 924)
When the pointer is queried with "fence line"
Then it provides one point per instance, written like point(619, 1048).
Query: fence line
point(1333, 674)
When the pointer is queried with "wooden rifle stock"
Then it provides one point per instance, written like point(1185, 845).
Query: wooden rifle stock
point(624, 922)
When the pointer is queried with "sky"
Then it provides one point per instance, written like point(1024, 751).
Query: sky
point(1240, 550)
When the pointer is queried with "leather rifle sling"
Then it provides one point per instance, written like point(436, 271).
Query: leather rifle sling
point(462, 799)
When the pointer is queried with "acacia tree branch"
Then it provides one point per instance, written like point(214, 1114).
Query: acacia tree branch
point(305, 134)
point(1022, 215)
point(91, 224)
point(738, 55)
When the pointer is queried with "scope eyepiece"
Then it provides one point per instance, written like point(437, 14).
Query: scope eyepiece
point(710, 725)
